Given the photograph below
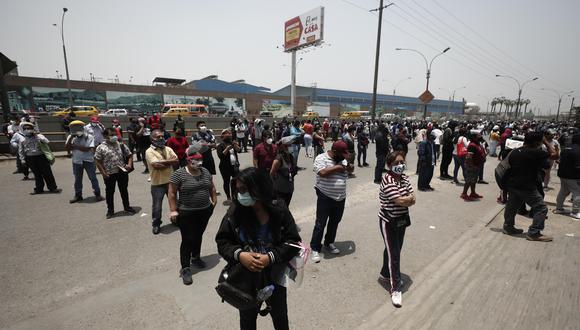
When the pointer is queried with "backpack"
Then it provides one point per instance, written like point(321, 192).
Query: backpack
point(461, 148)
point(502, 172)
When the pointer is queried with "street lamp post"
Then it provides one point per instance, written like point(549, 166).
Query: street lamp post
point(428, 66)
point(560, 95)
point(70, 102)
point(520, 87)
point(400, 82)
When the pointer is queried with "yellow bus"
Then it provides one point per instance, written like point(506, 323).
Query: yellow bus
point(185, 110)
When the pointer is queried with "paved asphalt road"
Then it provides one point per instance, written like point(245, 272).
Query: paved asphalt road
point(67, 267)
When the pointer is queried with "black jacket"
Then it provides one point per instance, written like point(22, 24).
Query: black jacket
point(282, 227)
point(382, 143)
point(569, 167)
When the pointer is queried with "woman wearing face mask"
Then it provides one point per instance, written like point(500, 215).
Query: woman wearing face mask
point(283, 171)
point(473, 162)
point(396, 196)
point(256, 233)
point(114, 160)
point(227, 152)
point(192, 211)
point(32, 156)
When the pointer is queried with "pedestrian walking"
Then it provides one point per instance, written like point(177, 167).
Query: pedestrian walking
point(16, 137)
point(115, 162)
point(474, 161)
point(257, 236)
point(396, 195)
point(332, 171)
point(362, 139)
point(161, 160)
point(193, 209)
point(82, 147)
point(460, 143)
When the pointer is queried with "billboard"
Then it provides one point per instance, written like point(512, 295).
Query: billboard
point(278, 108)
point(304, 30)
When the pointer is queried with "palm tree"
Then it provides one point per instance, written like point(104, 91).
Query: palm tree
point(493, 104)
point(526, 102)
point(501, 102)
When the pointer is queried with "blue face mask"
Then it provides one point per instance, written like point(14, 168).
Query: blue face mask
point(246, 199)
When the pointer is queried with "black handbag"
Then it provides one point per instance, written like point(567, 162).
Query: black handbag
point(237, 286)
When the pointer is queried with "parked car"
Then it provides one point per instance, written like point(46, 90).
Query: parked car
point(81, 111)
point(310, 115)
point(188, 110)
point(114, 113)
point(218, 108)
point(233, 113)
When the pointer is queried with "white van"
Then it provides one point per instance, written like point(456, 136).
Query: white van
point(114, 113)
point(388, 116)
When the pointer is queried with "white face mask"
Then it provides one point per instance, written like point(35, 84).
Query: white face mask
point(79, 133)
point(202, 128)
point(246, 199)
point(28, 132)
point(399, 169)
point(196, 163)
point(269, 141)
point(113, 139)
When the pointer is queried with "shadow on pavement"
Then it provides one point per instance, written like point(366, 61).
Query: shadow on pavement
point(123, 213)
point(168, 229)
point(90, 200)
point(346, 248)
point(211, 261)
point(499, 230)
point(407, 283)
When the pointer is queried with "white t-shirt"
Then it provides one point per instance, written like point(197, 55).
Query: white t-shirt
point(437, 133)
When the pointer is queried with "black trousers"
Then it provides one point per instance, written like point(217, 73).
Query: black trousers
point(120, 179)
point(381, 159)
point(393, 237)
point(279, 312)
point(327, 210)
point(362, 150)
point(42, 172)
point(21, 168)
point(192, 225)
point(227, 176)
point(425, 175)
point(446, 160)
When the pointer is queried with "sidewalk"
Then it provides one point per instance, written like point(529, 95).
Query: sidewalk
point(488, 280)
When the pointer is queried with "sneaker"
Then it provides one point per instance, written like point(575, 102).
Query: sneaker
point(37, 192)
point(429, 188)
point(197, 262)
point(474, 195)
point(560, 211)
point(185, 274)
point(575, 215)
point(397, 299)
point(377, 182)
point(149, 179)
point(130, 210)
point(156, 230)
point(539, 238)
point(109, 215)
point(55, 191)
point(366, 164)
point(76, 199)
point(99, 198)
point(332, 248)
point(512, 230)
point(315, 256)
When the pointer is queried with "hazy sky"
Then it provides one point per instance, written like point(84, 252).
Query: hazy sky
point(238, 40)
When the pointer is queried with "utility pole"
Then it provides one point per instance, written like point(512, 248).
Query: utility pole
point(70, 101)
point(378, 50)
point(571, 109)
point(293, 84)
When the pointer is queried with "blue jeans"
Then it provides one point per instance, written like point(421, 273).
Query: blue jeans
point(90, 168)
point(157, 194)
point(295, 151)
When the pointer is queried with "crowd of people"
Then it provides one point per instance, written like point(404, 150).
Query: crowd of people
point(258, 235)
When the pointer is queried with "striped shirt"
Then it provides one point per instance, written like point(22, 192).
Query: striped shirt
point(333, 185)
point(193, 191)
point(390, 190)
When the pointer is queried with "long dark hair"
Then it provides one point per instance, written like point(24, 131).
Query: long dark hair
point(258, 183)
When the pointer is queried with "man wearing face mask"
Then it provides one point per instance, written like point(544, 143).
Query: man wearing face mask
point(114, 161)
point(265, 153)
point(31, 155)
point(16, 136)
point(332, 171)
point(426, 162)
point(206, 137)
point(82, 147)
point(96, 129)
point(161, 160)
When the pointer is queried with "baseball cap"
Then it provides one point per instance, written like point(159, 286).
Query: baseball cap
point(195, 150)
point(76, 122)
point(341, 148)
